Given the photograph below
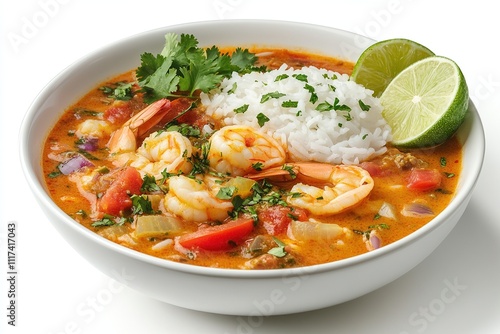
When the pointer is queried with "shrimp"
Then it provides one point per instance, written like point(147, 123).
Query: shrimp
point(93, 128)
point(239, 150)
point(160, 151)
point(195, 199)
point(125, 138)
point(323, 189)
point(167, 151)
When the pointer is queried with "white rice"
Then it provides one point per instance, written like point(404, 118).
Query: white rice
point(333, 136)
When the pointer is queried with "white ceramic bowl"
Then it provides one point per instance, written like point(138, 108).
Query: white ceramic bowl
point(237, 292)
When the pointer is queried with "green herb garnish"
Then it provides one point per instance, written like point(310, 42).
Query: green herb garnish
point(182, 68)
point(262, 119)
point(278, 251)
point(272, 95)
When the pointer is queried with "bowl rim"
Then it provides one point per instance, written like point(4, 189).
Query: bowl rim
point(44, 199)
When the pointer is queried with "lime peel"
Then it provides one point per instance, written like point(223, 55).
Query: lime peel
point(382, 61)
point(426, 102)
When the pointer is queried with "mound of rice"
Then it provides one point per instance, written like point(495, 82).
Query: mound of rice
point(319, 115)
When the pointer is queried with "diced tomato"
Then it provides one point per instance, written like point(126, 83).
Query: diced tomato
point(275, 219)
point(117, 197)
point(424, 179)
point(118, 114)
point(220, 237)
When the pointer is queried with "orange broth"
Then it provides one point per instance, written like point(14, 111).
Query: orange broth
point(389, 187)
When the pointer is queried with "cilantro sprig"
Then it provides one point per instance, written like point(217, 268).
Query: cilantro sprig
point(183, 68)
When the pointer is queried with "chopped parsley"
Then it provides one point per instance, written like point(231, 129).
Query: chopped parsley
point(103, 222)
point(314, 97)
point(54, 174)
point(184, 129)
point(149, 184)
point(242, 109)
point(106, 220)
point(262, 119)
point(272, 95)
point(200, 161)
point(262, 192)
point(373, 227)
point(278, 251)
point(300, 77)
point(290, 171)
point(324, 106)
point(290, 104)
point(119, 91)
point(233, 89)
point(226, 192)
point(141, 205)
point(340, 107)
point(281, 77)
point(363, 106)
point(257, 166)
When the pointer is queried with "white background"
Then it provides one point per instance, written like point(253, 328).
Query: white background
point(59, 292)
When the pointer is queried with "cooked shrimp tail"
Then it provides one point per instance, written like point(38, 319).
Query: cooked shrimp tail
point(125, 138)
point(320, 188)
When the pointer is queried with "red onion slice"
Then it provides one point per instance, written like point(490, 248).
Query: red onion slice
point(88, 144)
point(73, 164)
point(417, 210)
point(372, 241)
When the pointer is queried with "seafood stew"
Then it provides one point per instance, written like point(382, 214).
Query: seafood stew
point(173, 179)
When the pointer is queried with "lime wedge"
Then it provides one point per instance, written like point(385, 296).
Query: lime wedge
point(382, 61)
point(425, 103)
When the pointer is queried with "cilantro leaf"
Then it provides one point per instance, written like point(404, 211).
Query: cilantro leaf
point(141, 205)
point(243, 59)
point(226, 192)
point(272, 95)
point(242, 109)
point(278, 251)
point(262, 119)
point(182, 68)
point(149, 184)
point(198, 76)
point(119, 91)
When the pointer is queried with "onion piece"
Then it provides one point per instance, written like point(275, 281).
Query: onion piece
point(88, 144)
point(372, 241)
point(162, 244)
point(113, 232)
point(156, 225)
point(314, 230)
point(387, 210)
point(155, 200)
point(73, 164)
point(417, 210)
